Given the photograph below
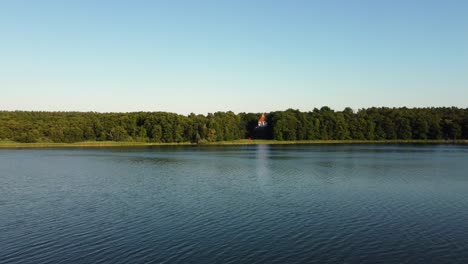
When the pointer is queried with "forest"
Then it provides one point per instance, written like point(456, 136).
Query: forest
point(161, 127)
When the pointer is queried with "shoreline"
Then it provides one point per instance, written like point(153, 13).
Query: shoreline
point(109, 144)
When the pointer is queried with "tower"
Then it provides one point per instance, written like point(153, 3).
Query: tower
point(262, 121)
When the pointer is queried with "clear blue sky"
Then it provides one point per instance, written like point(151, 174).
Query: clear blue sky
point(206, 56)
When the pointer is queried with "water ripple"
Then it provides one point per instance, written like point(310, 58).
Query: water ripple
point(248, 204)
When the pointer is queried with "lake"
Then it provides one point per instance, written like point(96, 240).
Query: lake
point(235, 204)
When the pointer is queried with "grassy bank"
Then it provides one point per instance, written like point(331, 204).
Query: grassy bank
point(97, 144)
point(312, 142)
point(85, 144)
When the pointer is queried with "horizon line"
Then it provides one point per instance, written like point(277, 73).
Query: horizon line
point(235, 112)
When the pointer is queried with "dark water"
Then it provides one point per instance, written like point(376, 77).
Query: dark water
point(250, 204)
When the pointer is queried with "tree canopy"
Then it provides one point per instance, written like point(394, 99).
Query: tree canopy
point(320, 124)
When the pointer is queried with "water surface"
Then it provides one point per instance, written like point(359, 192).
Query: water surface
point(235, 204)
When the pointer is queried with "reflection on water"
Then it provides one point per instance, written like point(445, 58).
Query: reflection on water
point(262, 166)
point(236, 204)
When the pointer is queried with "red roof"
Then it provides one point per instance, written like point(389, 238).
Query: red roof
point(262, 119)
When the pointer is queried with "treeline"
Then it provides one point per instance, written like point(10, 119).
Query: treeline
point(370, 124)
point(319, 124)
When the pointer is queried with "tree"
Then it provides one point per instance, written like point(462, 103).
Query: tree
point(420, 128)
point(118, 133)
point(324, 123)
point(451, 129)
point(30, 136)
point(56, 134)
point(142, 135)
point(88, 133)
point(403, 128)
point(156, 133)
point(73, 134)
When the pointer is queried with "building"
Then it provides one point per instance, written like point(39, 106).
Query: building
point(262, 121)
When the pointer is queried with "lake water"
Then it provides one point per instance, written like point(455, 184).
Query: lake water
point(235, 204)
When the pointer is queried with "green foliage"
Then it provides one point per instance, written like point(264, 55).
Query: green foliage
point(73, 134)
point(30, 136)
point(89, 134)
point(403, 128)
point(118, 133)
point(4, 133)
point(142, 135)
point(56, 134)
point(156, 133)
point(291, 125)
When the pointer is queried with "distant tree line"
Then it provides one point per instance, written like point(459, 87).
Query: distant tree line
point(319, 124)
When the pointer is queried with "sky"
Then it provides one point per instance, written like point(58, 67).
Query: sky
point(243, 55)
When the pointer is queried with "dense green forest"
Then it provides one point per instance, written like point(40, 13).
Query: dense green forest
point(319, 124)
